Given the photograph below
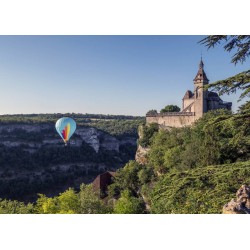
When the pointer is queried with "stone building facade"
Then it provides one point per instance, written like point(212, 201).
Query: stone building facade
point(194, 104)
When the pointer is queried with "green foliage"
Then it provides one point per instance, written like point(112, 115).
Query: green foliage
point(170, 108)
point(240, 43)
point(90, 203)
point(127, 187)
point(87, 201)
point(15, 207)
point(152, 112)
point(217, 138)
point(185, 182)
point(146, 133)
point(245, 108)
point(145, 175)
point(201, 190)
point(118, 128)
point(166, 149)
point(66, 203)
point(231, 84)
point(128, 204)
point(241, 81)
point(126, 179)
point(69, 202)
point(45, 205)
point(178, 178)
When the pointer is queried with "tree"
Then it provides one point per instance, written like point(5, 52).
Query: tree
point(45, 205)
point(128, 204)
point(69, 202)
point(170, 108)
point(65, 203)
point(90, 203)
point(241, 43)
point(126, 178)
point(15, 207)
point(152, 112)
point(241, 81)
point(146, 133)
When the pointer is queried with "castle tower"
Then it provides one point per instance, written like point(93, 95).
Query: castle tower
point(200, 95)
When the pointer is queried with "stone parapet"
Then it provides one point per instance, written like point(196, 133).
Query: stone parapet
point(172, 114)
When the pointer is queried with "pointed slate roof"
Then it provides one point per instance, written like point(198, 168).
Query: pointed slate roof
point(189, 94)
point(201, 75)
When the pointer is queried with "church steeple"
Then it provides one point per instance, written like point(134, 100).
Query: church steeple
point(201, 75)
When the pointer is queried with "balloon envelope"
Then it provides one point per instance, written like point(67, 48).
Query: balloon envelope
point(65, 127)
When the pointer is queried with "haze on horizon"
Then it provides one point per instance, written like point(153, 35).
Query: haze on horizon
point(118, 75)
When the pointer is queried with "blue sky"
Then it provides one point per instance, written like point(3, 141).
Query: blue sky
point(104, 74)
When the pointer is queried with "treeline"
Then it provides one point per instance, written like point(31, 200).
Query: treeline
point(118, 128)
point(51, 117)
point(69, 202)
point(117, 125)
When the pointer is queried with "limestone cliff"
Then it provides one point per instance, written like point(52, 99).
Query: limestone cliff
point(13, 135)
point(241, 204)
point(141, 152)
point(141, 155)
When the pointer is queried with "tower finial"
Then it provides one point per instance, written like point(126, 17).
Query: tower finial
point(201, 65)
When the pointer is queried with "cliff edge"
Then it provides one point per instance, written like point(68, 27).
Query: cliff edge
point(240, 204)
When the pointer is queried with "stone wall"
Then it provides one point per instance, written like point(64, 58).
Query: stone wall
point(172, 119)
point(187, 102)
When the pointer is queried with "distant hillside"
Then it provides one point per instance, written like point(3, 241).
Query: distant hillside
point(117, 125)
point(33, 158)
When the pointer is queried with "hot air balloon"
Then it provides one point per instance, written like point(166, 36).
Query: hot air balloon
point(65, 127)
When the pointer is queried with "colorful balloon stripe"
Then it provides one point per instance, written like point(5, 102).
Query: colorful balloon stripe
point(65, 132)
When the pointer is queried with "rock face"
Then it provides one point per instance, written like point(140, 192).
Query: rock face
point(90, 136)
point(141, 152)
point(140, 155)
point(240, 205)
point(95, 138)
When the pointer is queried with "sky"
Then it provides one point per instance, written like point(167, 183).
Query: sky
point(120, 75)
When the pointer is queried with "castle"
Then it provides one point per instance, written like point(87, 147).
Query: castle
point(194, 104)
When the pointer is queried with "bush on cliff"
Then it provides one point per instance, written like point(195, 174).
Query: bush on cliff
point(147, 132)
